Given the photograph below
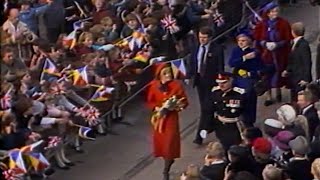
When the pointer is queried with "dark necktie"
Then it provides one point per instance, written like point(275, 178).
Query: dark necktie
point(202, 64)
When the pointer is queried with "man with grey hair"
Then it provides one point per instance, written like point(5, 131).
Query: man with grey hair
point(305, 103)
point(298, 70)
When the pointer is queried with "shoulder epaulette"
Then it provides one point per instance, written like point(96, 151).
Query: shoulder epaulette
point(239, 90)
point(215, 88)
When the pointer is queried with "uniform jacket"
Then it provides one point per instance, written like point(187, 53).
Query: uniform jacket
point(299, 65)
point(227, 104)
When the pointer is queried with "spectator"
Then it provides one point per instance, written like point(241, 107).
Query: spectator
point(315, 91)
point(215, 162)
point(261, 150)
point(315, 169)
point(10, 63)
point(281, 144)
point(54, 17)
point(318, 61)
point(274, 49)
point(299, 167)
point(298, 70)
point(249, 135)
point(30, 16)
point(192, 173)
point(84, 45)
point(16, 29)
point(271, 172)
point(240, 160)
point(305, 102)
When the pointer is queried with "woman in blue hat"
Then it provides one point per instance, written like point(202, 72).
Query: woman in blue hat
point(246, 64)
point(273, 36)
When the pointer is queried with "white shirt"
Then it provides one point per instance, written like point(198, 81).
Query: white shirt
point(200, 54)
point(295, 40)
point(306, 109)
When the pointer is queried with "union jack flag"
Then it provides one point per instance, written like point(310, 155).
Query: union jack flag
point(218, 18)
point(10, 174)
point(5, 101)
point(170, 24)
point(57, 89)
point(54, 141)
point(93, 115)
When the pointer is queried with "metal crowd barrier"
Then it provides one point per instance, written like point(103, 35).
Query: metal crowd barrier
point(245, 15)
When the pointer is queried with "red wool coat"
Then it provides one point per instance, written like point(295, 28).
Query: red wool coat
point(167, 143)
point(281, 53)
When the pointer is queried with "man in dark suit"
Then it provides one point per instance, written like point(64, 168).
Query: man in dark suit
point(305, 103)
point(299, 66)
point(206, 61)
point(318, 61)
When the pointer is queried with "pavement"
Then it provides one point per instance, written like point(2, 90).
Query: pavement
point(128, 156)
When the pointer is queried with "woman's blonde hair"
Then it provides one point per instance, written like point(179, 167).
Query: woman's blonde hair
point(6, 119)
point(303, 123)
point(315, 168)
point(84, 36)
point(215, 149)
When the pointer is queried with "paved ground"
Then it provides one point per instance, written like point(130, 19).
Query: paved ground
point(127, 156)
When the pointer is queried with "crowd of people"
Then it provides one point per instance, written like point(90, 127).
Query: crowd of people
point(66, 67)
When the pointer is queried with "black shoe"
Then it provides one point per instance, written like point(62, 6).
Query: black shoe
point(198, 142)
point(166, 176)
point(64, 167)
point(69, 163)
point(78, 149)
point(48, 172)
point(268, 102)
point(279, 98)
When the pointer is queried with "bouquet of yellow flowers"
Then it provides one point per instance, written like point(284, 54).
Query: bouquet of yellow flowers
point(171, 104)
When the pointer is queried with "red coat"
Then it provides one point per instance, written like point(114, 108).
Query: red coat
point(167, 143)
point(281, 53)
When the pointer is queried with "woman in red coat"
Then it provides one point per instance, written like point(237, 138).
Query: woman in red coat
point(166, 97)
point(273, 36)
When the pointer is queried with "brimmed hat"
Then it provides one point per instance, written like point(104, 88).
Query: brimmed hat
point(299, 145)
point(272, 127)
point(282, 139)
point(270, 6)
point(262, 145)
point(224, 77)
point(287, 112)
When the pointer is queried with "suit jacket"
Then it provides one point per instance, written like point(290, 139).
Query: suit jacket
point(299, 65)
point(313, 119)
point(214, 171)
point(214, 63)
point(318, 62)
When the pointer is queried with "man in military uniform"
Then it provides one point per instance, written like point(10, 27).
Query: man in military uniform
point(224, 108)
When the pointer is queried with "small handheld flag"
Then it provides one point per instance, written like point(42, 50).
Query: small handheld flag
point(170, 24)
point(80, 77)
point(178, 68)
point(86, 133)
point(49, 71)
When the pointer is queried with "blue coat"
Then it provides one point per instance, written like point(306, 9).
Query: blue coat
point(30, 17)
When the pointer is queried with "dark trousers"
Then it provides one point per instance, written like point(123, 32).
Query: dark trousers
point(228, 134)
point(53, 34)
point(294, 92)
point(204, 89)
point(250, 108)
